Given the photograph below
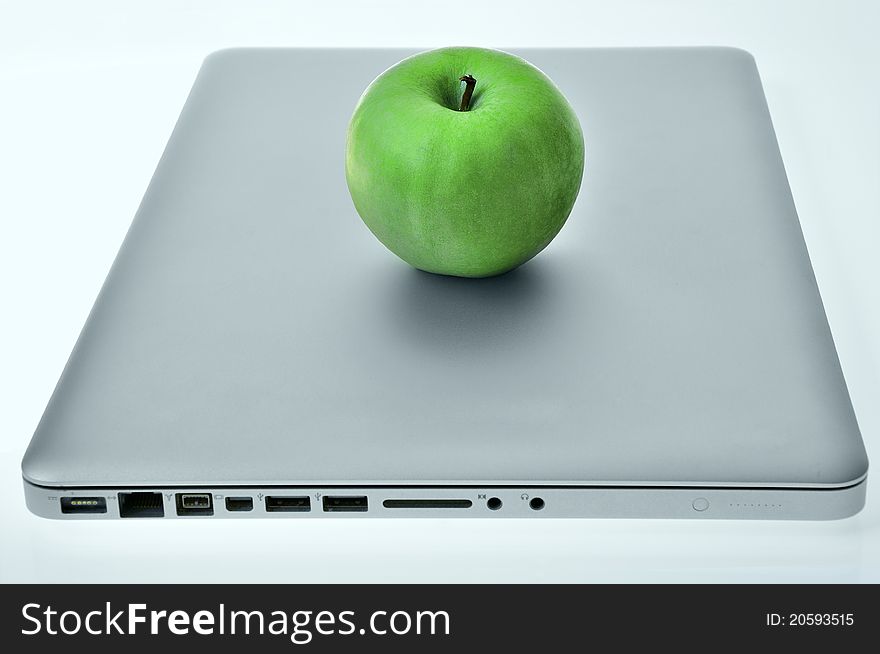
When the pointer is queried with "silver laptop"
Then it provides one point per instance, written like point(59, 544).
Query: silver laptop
point(256, 353)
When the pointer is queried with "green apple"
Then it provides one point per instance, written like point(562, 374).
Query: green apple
point(464, 161)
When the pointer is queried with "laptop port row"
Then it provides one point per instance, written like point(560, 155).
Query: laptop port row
point(150, 504)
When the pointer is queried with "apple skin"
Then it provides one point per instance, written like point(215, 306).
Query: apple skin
point(469, 193)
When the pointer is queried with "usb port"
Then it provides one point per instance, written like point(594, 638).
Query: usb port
point(287, 503)
point(83, 505)
point(239, 504)
point(345, 503)
point(195, 504)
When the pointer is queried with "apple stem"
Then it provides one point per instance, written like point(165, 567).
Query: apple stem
point(470, 83)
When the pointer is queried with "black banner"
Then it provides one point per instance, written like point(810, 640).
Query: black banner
point(436, 618)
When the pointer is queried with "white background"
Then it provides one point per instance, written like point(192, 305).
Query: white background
point(89, 93)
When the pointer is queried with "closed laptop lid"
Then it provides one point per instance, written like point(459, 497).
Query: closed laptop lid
point(253, 331)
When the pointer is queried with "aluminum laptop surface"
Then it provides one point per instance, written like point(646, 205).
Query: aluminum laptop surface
point(667, 355)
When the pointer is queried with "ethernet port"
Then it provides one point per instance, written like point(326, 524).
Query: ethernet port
point(141, 505)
